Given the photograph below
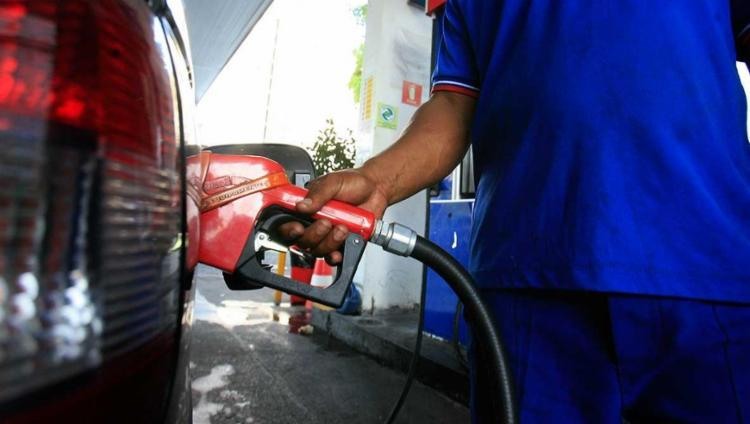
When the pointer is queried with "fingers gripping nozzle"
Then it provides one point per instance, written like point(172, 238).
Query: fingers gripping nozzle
point(252, 270)
point(250, 267)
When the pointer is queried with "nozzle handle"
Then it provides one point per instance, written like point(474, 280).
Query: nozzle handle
point(357, 220)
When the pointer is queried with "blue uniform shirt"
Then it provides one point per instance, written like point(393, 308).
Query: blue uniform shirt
point(610, 144)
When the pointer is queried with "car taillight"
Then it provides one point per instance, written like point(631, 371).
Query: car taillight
point(89, 187)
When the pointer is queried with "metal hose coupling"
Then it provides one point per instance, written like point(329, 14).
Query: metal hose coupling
point(394, 238)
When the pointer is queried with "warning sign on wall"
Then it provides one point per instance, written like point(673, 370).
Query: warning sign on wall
point(411, 93)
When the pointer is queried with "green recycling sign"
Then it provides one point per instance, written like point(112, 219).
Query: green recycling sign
point(387, 116)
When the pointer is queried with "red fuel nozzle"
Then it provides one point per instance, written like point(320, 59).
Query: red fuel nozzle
point(238, 194)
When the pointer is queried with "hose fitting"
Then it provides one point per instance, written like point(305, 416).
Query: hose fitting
point(394, 238)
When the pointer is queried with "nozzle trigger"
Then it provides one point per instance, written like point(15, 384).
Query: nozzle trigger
point(263, 242)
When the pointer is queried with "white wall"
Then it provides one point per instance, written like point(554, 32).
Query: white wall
point(397, 48)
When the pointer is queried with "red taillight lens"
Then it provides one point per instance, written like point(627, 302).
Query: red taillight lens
point(89, 187)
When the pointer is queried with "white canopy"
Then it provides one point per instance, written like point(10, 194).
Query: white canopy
point(216, 29)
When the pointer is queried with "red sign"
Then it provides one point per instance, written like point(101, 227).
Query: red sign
point(434, 4)
point(411, 94)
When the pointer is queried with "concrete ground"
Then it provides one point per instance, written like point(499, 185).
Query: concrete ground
point(249, 365)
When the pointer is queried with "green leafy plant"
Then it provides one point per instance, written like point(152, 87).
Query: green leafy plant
point(355, 82)
point(360, 14)
point(331, 152)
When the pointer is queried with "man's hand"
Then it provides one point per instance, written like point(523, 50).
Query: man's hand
point(352, 186)
point(430, 147)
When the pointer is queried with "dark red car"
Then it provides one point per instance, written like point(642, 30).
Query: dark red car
point(95, 252)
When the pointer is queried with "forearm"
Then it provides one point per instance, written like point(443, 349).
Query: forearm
point(429, 149)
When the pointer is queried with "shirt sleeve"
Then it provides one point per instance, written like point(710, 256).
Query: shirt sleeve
point(456, 69)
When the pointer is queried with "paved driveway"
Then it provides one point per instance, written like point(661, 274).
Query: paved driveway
point(248, 367)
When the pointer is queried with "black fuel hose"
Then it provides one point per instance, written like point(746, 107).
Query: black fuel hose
point(480, 318)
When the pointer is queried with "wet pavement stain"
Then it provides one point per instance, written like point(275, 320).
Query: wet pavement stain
point(203, 411)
